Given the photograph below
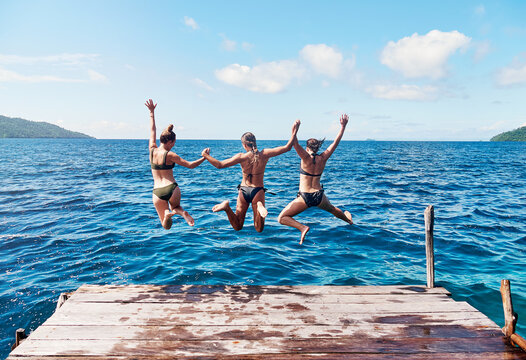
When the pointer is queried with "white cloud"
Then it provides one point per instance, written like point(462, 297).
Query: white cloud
point(423, 55)
point(514, 74)
point(495, 126)
point(62, 59)
point(59, 61)
point(323, 59)
point(227, 44)
point(403, 92)
point(188, 21)
point(275, 76)
point(271, 77)
point(12, 76)
point(202, 84)
point(95, 76)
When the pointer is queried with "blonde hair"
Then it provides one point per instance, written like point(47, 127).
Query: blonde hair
point(250, 140)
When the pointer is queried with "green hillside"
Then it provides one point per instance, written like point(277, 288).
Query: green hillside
point(514, 135)
point(20, 128)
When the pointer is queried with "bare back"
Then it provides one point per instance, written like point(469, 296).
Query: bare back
point(254, 171)
point(161, 177)
point(309, 183)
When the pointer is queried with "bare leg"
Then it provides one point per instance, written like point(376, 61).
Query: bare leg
point(295, 207)
point(260, 212)
point(237, 219)
point(327, 206)
point(163, 211)
point(175, 203)
point(186, 216)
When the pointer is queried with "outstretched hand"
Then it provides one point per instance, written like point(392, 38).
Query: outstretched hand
point(344, 119)
point(296, 127)
point(150, 105)
point(205, 152)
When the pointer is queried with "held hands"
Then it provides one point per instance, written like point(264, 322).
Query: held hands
point(205, 152)
point(296, 127)
point(150, 105)
point(344, 119)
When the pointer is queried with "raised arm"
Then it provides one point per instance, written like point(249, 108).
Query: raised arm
point(236, 159)
point(151, 106)
point(344, 119)
point(283, 149)
point(300, 150)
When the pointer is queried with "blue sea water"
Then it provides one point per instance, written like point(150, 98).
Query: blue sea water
point(79, 211)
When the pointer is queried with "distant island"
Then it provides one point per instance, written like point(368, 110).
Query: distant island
point(21, 128)
point(514, 135)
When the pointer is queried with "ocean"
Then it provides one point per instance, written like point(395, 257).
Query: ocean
point(76, 212)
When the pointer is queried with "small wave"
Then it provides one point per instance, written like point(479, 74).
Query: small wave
point(16, 192)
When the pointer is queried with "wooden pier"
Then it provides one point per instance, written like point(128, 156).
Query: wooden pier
point(276, 322)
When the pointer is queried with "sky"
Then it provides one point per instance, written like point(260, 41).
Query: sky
point(401, 70)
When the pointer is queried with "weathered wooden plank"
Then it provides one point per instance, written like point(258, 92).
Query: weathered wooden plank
point(274, 298)
point(223, 332)
point(257, 289)
point(513, 355)
point(246, 314)
point(270, 346)
point(202, 319)
point(417, 307)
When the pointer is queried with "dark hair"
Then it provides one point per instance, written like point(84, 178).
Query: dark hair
point(167, 135)
point(250, 140)
point(315, 144)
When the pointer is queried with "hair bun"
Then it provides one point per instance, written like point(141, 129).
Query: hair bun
point(170, 128)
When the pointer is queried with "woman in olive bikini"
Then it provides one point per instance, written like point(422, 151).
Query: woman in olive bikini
point(311, 191)
point(166, 192)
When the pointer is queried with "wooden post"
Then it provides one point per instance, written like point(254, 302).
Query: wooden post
point(429, 219)
point(19, 336)
point(62, 299)
point(510, 317)
point(519, 341)
point(507, 305)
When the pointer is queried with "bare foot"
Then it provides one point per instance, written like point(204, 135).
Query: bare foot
point(304, 233)
point(221, 206)
point(262, 210)
point(167, 221)
point(188, 218)
point(349, 217)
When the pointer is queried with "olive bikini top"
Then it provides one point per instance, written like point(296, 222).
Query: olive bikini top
point(162, 166)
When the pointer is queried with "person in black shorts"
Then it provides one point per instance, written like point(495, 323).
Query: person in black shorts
point(311, 191)
point(251, 190)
